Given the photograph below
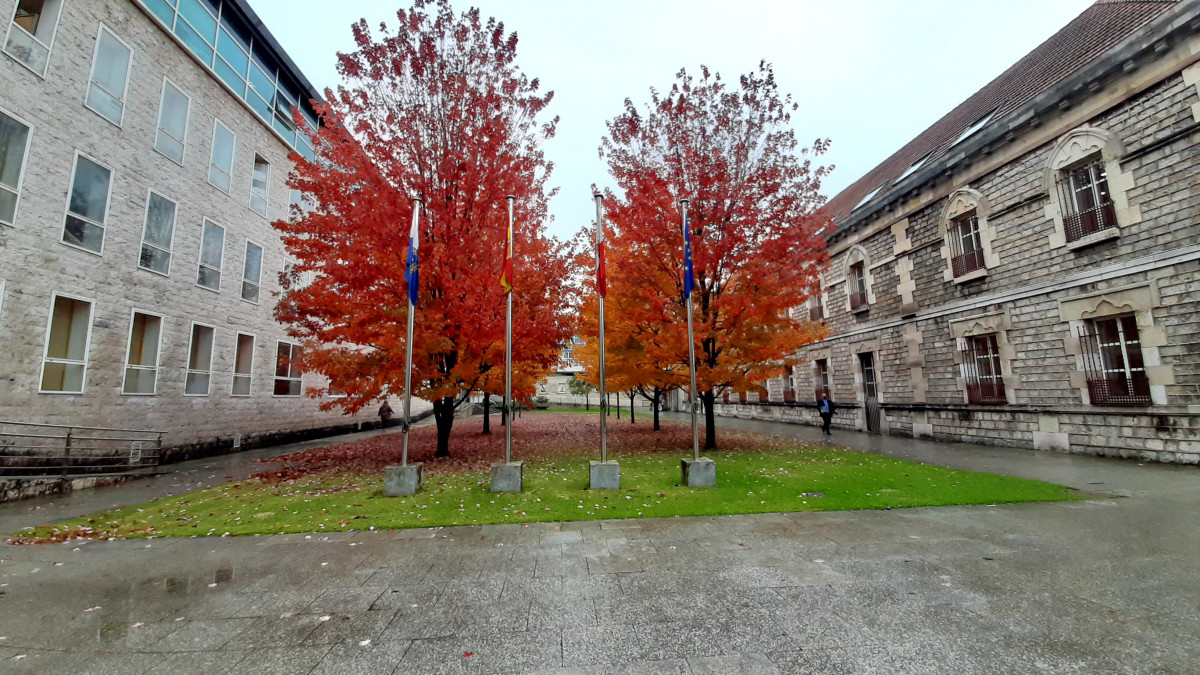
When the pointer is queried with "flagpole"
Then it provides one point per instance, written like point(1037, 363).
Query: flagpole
point(414, 242)
point(508, 348)
point(603, 400)
point(691, 340)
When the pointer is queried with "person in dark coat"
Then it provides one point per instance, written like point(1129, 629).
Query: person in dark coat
point(825, 407)
point(385, 414)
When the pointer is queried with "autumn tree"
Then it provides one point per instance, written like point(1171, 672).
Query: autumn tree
point(436, 109)
point(755, 225)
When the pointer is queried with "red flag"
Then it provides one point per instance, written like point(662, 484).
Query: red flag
point(601, 277)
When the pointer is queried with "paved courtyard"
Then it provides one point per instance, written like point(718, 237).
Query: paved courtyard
point(1106, 585)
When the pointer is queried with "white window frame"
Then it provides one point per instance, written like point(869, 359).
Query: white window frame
point(200, 264)
point(87, 345)
point(129, 348)
point(276, 377)
point(253, 348)
point(212, 355)
point(170, 246)
point(124, 97)
point(62, 237)
point(187, 119)
point(262, 256)
point(266, 196)
point(24, 165)
point(12, 24)
point(212, 150)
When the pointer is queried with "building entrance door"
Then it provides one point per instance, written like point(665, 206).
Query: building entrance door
point(866, 363)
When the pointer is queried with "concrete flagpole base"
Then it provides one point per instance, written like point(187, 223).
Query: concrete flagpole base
point(605, 475)
point(699, 472)
point(401, 481)
point(508, 477)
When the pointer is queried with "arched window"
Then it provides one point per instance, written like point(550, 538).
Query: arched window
point(967, 236)
point(858, 280)
point(1087, 190)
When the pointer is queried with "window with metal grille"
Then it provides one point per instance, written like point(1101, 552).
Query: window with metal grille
point(1112, 362)
point(857, 287)
point(867, 362)
point(1086, 202)
point(823, 379)
point(981, 365)
point(966, 249)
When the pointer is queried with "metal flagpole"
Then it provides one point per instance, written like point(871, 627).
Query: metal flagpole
point(414, 240)
point(691, 335)
point(603, 399)
point(508, 348)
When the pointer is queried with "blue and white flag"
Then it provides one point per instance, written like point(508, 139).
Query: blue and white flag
point(689, 275)
point(412, 269)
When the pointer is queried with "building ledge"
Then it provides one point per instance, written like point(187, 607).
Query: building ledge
point(973, 275)
point(1094, 238)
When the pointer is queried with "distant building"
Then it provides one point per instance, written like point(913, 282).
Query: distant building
point(143, 157)
point(1026, 271)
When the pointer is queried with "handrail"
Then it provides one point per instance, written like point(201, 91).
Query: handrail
point(71, 426)
point(77, 451)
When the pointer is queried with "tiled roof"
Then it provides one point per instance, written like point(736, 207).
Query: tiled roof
point(1099, 28)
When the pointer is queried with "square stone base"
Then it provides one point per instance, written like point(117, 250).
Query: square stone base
point(699, 472)
point(401, 481)
point(507, 477)
point(605, 475)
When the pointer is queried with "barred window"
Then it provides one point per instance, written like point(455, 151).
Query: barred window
point(857, 285)
point(965, 246)
point(1112, 362)
point(981, 365)
point(1087, 204)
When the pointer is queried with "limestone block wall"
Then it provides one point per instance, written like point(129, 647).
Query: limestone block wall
point(34, 264)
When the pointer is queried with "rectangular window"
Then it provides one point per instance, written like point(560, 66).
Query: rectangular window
point(31, 33)
point(1112, 360)
point(110, 77)
point(287, 370)
point(87, 208)
point(857, 285)
point(141, 358)
point(965, 247)
point(67, 337)
point(243, 365)
point(789, 387)
point(14, 148)
point(173, 112)
point(866, 362)
point(212, 250)
point(1087, 205)
point(823, 379)
point(158, 233)
point(200, 356)
point(258, 185)
point(220, 167)
point(981, 366)
point(252, 272)
point(816, 308)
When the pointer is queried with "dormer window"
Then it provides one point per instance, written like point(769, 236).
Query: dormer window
point(913, 168)
point(974, 128)
point(869, 197)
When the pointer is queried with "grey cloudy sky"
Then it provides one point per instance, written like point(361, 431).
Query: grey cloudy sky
point(869, 74)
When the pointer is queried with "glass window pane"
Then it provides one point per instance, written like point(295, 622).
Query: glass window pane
point(160, 221)
point(68, 329)
point(89, 190)
point(8, 205)
point(262, 81)
point(143, 340)
point(222, 154)
point(209, 278)
point(250, 291)
point(197, 383)
point(83, 234)
point(244, 359)
point(241, 385)
point(155, 259)
point(230, 77)
point(259, 105)
point(194, 42)
point(104, 103)
point(65, 377)
point(228, 47)
point(14, 136)
point(253, 269)
point(282, 353)
point(168, 146)
point(201, 19)
point(212, 244)
point(140, 380)
point(174, 114)
point(162, 10)
point(258, 185)
point(112, 64)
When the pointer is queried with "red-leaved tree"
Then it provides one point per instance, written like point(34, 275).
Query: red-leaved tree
point(755, 226)
point(436, 108)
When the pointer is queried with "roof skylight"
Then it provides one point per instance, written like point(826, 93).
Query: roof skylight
point(971, 130)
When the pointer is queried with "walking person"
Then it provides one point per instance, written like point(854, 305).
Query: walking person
point(385, 414)
point(826, 408)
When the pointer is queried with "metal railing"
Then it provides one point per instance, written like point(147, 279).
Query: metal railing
point(32, 450)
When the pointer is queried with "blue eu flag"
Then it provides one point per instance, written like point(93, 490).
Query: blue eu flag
point(689, 275)
point(412, 272)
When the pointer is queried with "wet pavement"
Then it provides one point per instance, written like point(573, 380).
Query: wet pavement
point(1104, 585)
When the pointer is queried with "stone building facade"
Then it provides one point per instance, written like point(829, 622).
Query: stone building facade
point(143, 157)
point(1026, 272)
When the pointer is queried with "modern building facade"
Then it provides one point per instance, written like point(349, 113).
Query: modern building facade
point(143, 157)
point(1026, 272)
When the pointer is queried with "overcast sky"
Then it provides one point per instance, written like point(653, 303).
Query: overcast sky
point(868, 74)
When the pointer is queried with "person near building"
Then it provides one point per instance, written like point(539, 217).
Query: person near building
point(825, 407)
point(385, 414)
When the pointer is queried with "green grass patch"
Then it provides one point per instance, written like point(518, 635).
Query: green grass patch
point(798, 479)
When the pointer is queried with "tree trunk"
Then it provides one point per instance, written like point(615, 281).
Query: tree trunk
point(654, 404)
point(487, 413)
point(587, 401)
point(618, 405)
point(443, 415)
point(631, 405)
point(708, 398)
